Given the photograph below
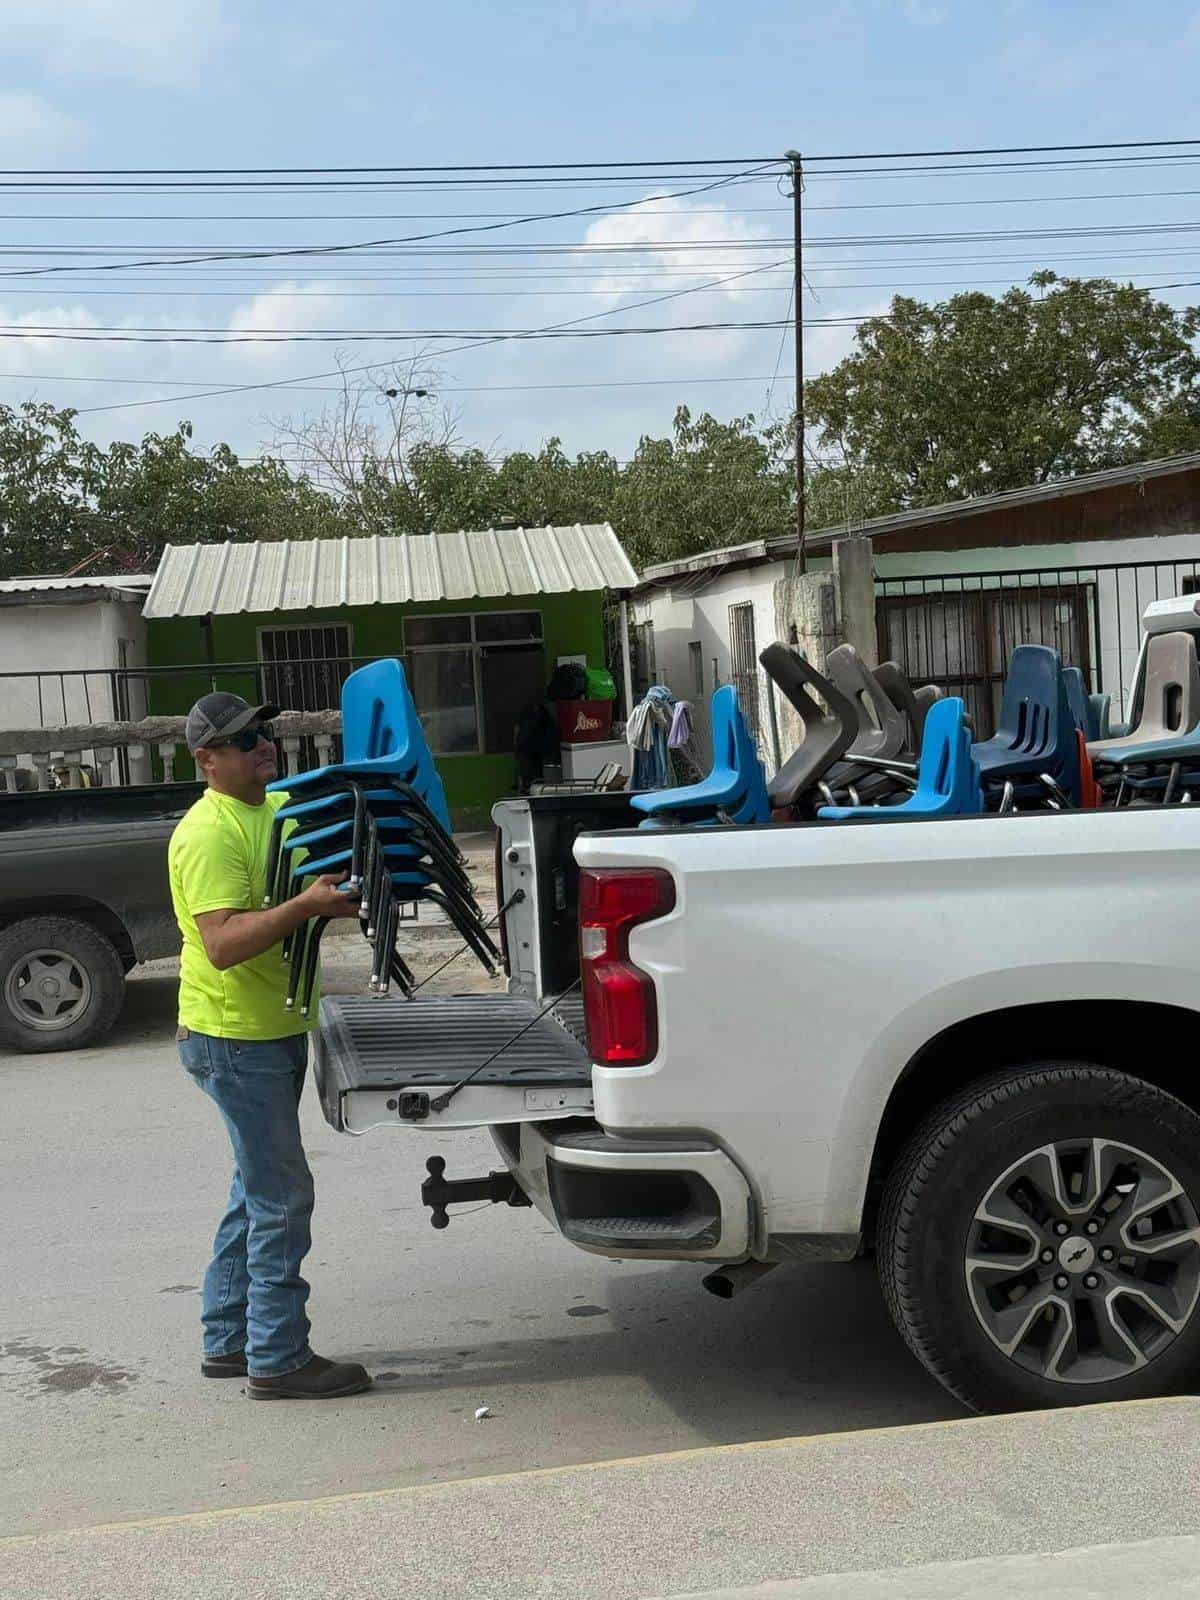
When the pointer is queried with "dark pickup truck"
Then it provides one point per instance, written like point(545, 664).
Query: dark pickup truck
point(83, 898)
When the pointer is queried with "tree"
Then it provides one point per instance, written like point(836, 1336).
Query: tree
point(710, 483)
point(62, 498)
point(359, 448)
point(980, 393)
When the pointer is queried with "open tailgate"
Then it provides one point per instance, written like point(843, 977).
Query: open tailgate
point(382, 1061)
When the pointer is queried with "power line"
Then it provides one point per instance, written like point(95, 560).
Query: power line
point(442, 388)
point(382, 249)
point(518, 166)
point(592, 166)
point(490, 335)
point(374, 366)
point(1008, 150)
point(616, 205)
point(487, 227)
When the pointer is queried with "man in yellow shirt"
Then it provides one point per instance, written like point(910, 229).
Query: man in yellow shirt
point(249, 1055)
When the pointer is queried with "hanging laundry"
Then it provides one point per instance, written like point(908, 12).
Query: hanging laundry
point(681, 726)
point(647, 734)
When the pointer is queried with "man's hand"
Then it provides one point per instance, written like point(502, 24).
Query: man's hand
point(231, 937)
point(324, 899)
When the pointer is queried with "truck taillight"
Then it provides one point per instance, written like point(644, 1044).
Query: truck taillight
point(618, 997)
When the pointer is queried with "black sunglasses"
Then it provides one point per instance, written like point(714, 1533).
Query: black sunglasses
point(247, 739)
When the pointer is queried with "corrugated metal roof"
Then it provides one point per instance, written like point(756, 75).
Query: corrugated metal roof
point(130, 584)
point(949, 511)
point(201, 579)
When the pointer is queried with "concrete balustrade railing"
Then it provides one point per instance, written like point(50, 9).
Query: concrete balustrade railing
point(48, 758)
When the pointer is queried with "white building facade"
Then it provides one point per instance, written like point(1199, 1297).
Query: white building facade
point(68, 647)
point(1071, 564)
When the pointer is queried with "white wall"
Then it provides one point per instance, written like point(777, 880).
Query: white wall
point(1122, 597)
point(54, 639)
point(680, 618)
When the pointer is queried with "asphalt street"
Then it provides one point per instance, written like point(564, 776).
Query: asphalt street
point(114, 1171)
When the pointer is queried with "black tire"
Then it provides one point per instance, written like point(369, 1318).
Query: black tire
point(69, 954)
point(956, 1308)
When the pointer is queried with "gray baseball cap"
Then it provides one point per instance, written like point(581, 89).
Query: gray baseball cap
point(217, 716)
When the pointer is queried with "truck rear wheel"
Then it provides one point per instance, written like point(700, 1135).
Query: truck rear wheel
point(61, 984)
point(1039, 1240)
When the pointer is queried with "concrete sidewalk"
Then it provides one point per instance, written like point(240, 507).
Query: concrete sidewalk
point(1151, 1569)
point(873, 1507)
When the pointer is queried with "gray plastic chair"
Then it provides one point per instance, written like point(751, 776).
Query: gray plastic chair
point(881, 727)
point(926, 697)
point(827, 734)
point(892, 679)
point(1171, 701)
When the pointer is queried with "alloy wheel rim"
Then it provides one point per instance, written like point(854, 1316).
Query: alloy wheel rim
point(1083, 1260)
point(47, 990)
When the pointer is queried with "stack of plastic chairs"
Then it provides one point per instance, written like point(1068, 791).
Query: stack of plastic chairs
point(380, 818)
point(948, 783)
point(734, 791)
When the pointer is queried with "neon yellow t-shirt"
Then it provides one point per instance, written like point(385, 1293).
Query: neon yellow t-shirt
point(218, 862)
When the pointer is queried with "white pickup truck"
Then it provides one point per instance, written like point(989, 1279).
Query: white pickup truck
point(967, 1046)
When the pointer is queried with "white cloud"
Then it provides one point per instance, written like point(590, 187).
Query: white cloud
point(155, 41)
point(32, 130)
point(640, 11)
point(925, 14)
point(700, 238)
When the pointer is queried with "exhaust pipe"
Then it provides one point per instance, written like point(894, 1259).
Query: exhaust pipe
point(725, 1282)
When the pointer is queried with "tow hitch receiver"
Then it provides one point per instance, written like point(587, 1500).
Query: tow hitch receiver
point(438, 1191)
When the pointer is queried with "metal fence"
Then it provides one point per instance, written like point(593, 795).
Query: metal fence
point(77, 696)
point(958, 629)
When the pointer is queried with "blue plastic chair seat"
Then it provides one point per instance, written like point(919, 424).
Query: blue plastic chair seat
point(381, 736)
point(948, 782)
point(1036, 733)
point(735, 786)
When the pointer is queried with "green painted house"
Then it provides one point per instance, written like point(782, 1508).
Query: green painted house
point(479, 619)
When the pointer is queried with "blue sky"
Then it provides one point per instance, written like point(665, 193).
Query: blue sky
point(211, 83)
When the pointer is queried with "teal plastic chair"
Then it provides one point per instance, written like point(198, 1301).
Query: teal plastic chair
point(947, 775)
point(382, 737)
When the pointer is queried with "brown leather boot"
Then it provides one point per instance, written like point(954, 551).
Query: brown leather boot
point(233, 1366)
point(318, 1380)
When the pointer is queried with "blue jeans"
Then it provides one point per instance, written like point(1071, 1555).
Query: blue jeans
point(254, 1296)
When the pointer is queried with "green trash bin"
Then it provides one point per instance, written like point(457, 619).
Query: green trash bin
point(600, 684)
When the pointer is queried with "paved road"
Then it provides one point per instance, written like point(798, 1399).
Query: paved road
point(113, 1172)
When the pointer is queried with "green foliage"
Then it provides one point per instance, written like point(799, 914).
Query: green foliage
point(711, 483)
point(981, 393)
point(935, 403)
point(63, 498)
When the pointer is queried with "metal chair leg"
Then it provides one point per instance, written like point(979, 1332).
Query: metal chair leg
point(299, 940)
point(311, 957)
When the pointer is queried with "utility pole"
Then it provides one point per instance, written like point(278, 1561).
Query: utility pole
point(798, 304)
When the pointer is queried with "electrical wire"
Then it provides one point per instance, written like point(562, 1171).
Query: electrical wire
point(616, 205)
point(452, 388)
point(488, 335)
point(374, 244)
point(343, 372)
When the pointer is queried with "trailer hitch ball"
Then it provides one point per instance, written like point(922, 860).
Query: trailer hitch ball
point(439, 1216)
point(438, 1191)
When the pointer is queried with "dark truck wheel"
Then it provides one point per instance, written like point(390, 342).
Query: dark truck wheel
point(61, 984)
point(1039, 1240)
